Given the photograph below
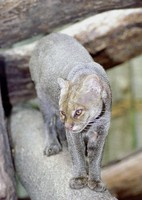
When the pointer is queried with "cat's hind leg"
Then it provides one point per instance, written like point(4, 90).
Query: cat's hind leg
point(52, 145)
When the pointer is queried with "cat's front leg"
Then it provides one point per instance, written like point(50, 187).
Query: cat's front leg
point(95, 148)
point(77, 150)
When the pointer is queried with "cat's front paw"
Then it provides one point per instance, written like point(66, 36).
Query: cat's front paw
point(78, 183)
point(98, 186)
point(52, 149)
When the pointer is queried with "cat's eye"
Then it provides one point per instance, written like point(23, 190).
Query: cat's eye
point(78, 113)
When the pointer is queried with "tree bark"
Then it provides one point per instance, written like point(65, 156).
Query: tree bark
point(44, 177)
point(23, 19)
point(15, 70)
point(7, 184)
point(111, 38)
point(124, 177)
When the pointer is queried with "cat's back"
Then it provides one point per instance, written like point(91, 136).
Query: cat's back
point(55, 55)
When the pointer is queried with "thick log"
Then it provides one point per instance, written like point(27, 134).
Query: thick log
point(23, 19)
point(14, 69)
point(37, 172)
point(44, 177)
point(111, 38)
point(124, 178)
point(7, 184)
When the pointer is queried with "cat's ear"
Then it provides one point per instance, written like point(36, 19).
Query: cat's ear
point(92, 83)
point(62, 83)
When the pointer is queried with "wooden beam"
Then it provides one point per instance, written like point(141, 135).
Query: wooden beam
point(7, 185)
point(23, 19)
point(124, 178)
point(44, 177)
point(111, 38)
point(15, 71)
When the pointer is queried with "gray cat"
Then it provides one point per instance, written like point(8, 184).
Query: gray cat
point(68, 80)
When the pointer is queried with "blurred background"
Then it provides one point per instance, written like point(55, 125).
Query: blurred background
point(126, 125)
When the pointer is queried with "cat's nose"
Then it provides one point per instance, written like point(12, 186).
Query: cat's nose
point(69, 126)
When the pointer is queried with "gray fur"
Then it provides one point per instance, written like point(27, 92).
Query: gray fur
point(59, 55)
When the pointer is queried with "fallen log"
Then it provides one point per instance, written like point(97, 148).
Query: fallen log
point(111, 38)
point(37, 172)
point(43, 177)
point(124, 178)
point(7, 183)
point(23, 19)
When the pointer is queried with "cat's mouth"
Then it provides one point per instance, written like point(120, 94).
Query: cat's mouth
point(86, 126)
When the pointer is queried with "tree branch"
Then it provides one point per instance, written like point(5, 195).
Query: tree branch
point(124, 177)
point(43, 177)
point(7, 184)
point(23, 19)
point(111, 38)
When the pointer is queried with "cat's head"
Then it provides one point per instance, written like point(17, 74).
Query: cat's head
point(80, 103)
